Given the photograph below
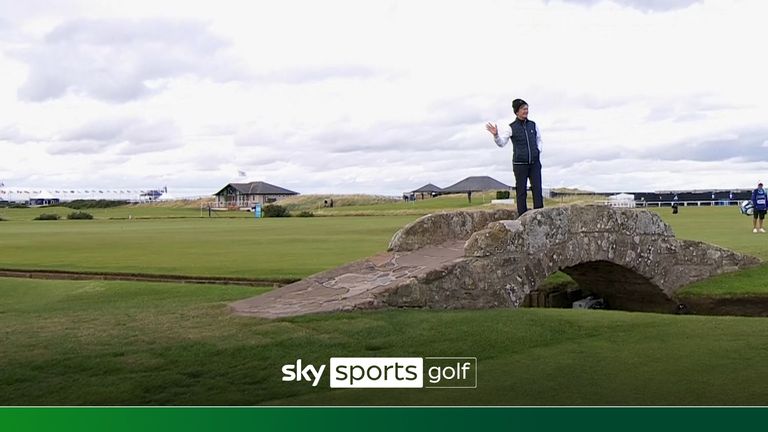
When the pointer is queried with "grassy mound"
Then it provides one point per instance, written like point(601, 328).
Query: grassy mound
point(314, 202)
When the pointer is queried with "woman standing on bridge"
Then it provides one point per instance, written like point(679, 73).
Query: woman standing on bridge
point(526, 152)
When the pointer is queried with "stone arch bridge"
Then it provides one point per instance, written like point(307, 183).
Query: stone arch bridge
point(492, 258)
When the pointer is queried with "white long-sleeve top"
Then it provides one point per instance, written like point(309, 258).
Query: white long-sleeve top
point(505, 133)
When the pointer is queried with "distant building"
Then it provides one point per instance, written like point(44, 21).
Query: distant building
point(242, 195)
point(622, 200)
point(151, 195)
point(429, 189)
point(477, 184)
point(44, 198)
point(61, 195)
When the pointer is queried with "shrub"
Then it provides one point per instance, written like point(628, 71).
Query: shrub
point(306, 214)
point(502, 194)
point(92, 204)
point(48, 216)
point(274, 210)
point(79, 215)
point(17, 206)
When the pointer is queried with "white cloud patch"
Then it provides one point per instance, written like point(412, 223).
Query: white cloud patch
point(119, 60)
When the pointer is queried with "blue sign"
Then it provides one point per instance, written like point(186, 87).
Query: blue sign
point(257, 210)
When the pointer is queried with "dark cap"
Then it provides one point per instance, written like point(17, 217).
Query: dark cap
point(517, 104)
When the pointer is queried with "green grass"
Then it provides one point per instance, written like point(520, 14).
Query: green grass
point(725, 227)
point(266, 248)
point(749, 282)
point(293, 247)
point(123, 343)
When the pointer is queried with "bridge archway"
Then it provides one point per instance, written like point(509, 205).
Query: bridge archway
point(629, 257)
point(620, 287)
point(476, 260)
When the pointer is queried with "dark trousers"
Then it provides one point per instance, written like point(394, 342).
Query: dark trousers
point(523, 173)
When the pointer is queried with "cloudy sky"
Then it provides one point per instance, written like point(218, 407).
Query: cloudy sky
point(381, 96)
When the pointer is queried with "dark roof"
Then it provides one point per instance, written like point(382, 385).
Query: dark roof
point(258, 188)
point(476, 184)
point(429, 187)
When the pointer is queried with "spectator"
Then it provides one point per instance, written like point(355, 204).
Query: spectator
point(760, 203)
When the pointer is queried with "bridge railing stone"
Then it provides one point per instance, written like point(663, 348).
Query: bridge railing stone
point(437, 228)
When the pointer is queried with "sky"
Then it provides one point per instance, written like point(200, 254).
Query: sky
point(381, 97)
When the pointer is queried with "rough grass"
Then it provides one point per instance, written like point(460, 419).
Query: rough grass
point(180, 203)
point(314, 202)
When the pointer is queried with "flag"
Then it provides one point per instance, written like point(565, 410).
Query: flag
point(241, 173)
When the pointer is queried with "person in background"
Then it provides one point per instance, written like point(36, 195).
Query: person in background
point(760, 203)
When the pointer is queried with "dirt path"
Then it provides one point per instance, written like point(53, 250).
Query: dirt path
point(71, 275)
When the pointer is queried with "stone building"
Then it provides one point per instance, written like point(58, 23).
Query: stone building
point(242, 195)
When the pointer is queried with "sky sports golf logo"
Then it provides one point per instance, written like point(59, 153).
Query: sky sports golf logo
point(387, 372)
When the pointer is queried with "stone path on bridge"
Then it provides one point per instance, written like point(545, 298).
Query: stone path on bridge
point(351, 286)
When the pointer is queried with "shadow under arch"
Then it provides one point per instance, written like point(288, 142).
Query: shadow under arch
point(621, 287)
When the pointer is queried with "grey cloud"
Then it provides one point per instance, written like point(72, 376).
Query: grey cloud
point(402, 138)
point(745, 146)
point(78, 147)
point(439, 131)
point(129, 136)
point(391, 145)
point(13, 134)
point(690, 108)
point(135, 148)
point(560, 159)
point(121, 60)
point(641, 5)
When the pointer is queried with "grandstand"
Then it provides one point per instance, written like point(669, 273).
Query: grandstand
point(709, 197)
point(43, 196)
